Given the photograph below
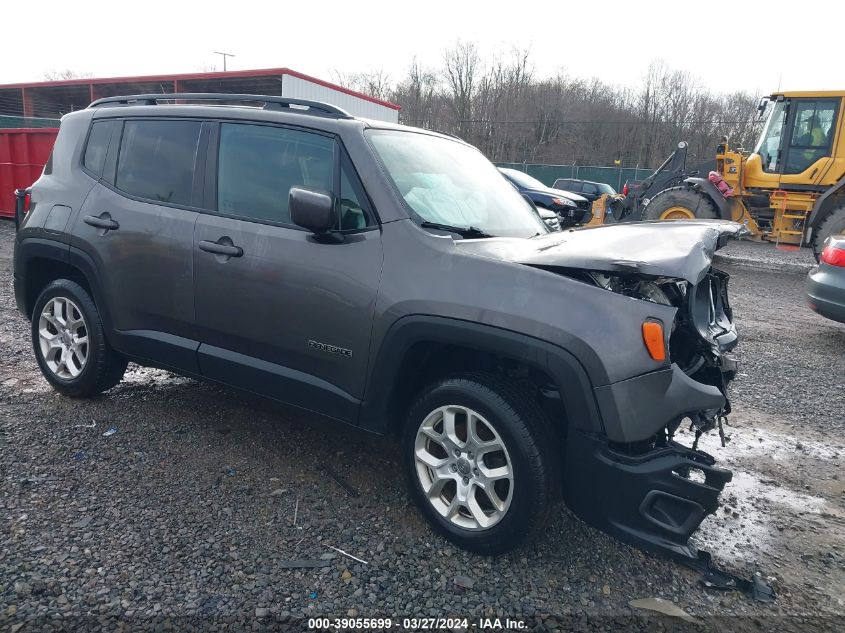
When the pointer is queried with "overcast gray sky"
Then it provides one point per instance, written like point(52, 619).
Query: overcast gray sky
point(728, 46)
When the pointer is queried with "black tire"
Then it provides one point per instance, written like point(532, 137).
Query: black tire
point(525, 433)
point(833, 224)
point(699, 204)
point(103, 368)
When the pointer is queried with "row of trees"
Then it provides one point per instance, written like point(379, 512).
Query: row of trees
point(512, 114)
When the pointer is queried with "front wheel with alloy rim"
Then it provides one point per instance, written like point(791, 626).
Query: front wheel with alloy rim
point(479, 461)
point(69, 343)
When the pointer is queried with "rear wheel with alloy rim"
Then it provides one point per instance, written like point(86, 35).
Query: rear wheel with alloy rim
point(63, 338)
point(69, 343)
point(479, 460)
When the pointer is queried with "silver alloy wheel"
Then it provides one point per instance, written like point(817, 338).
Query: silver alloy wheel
point(63, 338)
point(463, 467)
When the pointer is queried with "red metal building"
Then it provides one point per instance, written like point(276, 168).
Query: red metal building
point(52, 99)
point(25, 149)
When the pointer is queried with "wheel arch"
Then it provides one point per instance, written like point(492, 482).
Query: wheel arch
point(39, 262)
point(707, 188)
point(403, 364)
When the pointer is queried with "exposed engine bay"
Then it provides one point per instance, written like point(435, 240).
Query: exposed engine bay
point(702, 335)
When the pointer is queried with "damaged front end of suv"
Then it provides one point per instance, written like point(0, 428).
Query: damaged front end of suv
point(634, 480)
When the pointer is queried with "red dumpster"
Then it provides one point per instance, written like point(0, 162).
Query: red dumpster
point(23, 153)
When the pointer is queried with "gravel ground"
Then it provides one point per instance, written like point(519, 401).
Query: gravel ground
point(186, 517)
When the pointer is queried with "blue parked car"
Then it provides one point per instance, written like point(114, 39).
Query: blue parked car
point(570, 207)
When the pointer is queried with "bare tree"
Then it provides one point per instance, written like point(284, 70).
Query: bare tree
point(375, 83)
point(419, 94)
point(59, 75)
point(461, 67)
point(512, 115)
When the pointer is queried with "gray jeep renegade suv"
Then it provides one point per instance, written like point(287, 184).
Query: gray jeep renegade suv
point(390, 278)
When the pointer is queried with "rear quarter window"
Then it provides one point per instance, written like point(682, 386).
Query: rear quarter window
point(156, 160)
point(97, 147)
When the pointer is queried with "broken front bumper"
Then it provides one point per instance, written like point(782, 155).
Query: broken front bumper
point(647, 500)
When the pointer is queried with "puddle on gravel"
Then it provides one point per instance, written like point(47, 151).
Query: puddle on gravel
point(751, 514)
point(151, 377)
point(747, 441)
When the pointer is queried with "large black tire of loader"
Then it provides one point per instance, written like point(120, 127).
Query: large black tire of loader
point(833, 224)
point(698, 203)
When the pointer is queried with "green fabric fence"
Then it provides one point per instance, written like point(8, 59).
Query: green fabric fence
point(613, 176)
point(7, 121)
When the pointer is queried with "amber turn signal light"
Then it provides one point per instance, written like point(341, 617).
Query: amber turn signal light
point(653, 339)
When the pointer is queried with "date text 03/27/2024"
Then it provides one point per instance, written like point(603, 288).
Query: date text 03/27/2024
point(415, 624)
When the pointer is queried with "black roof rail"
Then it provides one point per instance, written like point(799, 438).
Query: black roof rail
point(270, 102)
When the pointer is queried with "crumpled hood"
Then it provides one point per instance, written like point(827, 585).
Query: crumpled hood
point(679, 248)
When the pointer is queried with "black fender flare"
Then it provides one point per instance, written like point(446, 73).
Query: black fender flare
point(27, 249)
point(83, 262)
point(706, 187)
point(564, 368)
point(39, 248)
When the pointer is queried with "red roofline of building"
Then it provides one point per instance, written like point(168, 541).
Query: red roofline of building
point(212, 75)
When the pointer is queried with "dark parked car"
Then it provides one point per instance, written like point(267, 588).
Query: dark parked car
point(587, 188)
point(570, 207)
point(387, 277)
point(826, 282)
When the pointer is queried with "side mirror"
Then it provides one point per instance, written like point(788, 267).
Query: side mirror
point(312, 210)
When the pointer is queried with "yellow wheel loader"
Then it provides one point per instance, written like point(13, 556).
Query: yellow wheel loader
point(790, 189)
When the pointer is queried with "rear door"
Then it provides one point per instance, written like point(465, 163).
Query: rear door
point(137, 226)
point(280, 312)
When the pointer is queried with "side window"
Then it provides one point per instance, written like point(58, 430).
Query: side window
point(590, 188)
point(98, 145)
point(257, 166)
point(156, 159)
point(353, 206)
point(812, 134)
point(574, 186)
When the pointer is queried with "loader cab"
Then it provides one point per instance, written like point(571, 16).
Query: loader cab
point(801, 144)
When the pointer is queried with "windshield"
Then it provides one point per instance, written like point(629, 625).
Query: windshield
point(603, 188)
point(769, 145)
point(523, 179)
point(447, 182)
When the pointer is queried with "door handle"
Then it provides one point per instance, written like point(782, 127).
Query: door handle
point(104, 222)
point(229, 250)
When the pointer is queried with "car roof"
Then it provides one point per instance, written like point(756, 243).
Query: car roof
point(325, 117)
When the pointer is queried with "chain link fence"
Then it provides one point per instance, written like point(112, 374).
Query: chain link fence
point(616, 177)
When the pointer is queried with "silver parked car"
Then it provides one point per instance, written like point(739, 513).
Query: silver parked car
point(826, 282)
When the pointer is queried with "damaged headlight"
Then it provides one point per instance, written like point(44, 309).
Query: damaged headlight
point(645, 290)
point(709, 309)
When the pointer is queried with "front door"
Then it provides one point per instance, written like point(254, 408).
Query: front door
point(278, 311)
